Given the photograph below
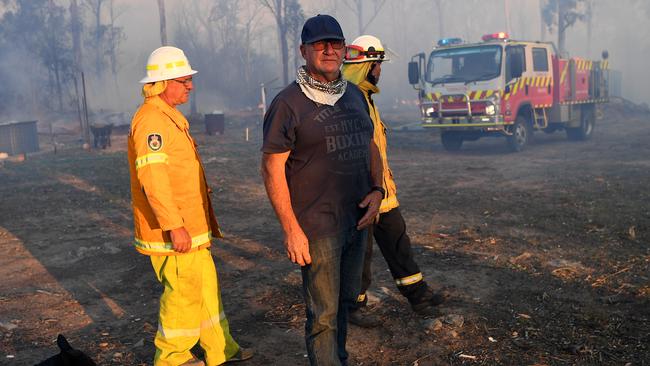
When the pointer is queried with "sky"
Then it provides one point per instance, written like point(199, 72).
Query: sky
point(411, 26)
point(406, 27)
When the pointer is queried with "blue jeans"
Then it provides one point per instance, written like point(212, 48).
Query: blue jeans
point(330, 287)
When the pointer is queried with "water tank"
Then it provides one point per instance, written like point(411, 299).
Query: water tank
point(214, 123)
point(18, 137)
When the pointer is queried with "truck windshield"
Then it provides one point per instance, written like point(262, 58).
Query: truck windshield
point(464, 64)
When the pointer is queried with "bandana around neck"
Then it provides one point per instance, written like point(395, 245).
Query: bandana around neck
point(319, 92)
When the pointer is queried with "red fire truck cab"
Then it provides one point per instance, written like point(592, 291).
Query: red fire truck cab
point(506, 88)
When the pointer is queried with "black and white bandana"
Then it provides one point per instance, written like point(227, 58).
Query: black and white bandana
point(319, 92)
point(333, 87)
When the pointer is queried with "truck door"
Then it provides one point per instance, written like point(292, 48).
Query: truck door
point(540, 89)
point(515, 71)
point(515, 63)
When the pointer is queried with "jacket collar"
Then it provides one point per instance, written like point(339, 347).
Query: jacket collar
point(368, 87)
point(174, 114)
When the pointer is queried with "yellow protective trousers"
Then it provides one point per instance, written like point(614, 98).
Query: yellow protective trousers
point(190, 310)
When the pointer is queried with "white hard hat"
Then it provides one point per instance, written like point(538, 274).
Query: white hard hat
point(364, 49)
point(167, 63)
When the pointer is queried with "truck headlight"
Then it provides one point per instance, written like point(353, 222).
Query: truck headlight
point(429, 111)
point(493, 103)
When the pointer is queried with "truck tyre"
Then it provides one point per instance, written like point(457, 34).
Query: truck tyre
point(451, 141)
point(586, 128)
point(521, 134)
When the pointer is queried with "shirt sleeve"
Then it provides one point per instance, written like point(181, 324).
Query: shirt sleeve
point(151, 145)
point(279, 128)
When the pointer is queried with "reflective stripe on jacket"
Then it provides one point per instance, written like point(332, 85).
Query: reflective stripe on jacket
point(168, 185)
point(390, 201)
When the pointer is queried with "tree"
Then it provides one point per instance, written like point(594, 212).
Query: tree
point(284, 12)
point(97, 33)
point(356, 6)
point(542, 24)
point(105, 38)
point(39, 28)
point(506, 10)
point(217, 36)
point(562, 14)
point(295, 20)
point(163, 22)
point(115, 37)
point(441, 18)
point(250, 13)
point(76, 28)
point(589, 16)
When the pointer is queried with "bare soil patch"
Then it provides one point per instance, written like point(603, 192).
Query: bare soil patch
point(545, 254)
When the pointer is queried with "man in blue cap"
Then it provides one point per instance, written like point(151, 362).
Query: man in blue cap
point(323, 176)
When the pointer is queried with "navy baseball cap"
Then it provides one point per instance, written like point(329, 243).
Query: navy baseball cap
point(321, 27)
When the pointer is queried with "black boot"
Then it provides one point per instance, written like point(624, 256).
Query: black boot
point(364, 318)
point(424, 303)
point(361, 316)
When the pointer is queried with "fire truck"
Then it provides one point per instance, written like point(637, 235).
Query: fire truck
point(503, 87)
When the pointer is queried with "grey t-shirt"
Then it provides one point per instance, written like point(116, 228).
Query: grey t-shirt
point(328, 169)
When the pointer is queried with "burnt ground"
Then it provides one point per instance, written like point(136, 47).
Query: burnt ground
point(544, 254)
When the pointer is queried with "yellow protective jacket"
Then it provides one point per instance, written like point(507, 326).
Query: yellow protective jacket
point(390, 201)
point(168, 185)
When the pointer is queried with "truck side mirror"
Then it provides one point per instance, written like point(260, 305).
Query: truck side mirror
point(605, 55)
point(414, 72)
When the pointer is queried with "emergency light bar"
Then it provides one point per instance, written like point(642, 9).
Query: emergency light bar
point(495, 36)
point(449, 41)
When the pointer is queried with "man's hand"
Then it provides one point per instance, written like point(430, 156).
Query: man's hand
point(181, 239)
point(275, 181)
point(297, 247)
point(372, 201)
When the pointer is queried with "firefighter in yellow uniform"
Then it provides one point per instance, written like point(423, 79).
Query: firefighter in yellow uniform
point(174, 220)
point(362, 66)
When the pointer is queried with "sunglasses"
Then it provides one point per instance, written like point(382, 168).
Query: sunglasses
point(353, 53)
point(186, 83)
point(336, 44)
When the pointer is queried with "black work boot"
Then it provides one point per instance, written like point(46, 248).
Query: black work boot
point(363, 317)
point(425, 303)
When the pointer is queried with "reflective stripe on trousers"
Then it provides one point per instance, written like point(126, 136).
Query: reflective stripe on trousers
point(190, 310)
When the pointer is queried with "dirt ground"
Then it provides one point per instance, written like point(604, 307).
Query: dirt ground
point(545, 254)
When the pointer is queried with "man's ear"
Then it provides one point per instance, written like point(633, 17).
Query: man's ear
point(303, 51)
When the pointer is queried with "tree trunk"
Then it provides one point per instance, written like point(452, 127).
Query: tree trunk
point(98, 38)
point(163, 22)
point(285, 55)
point(281, 20)
point(113, 44)
point(561, 28)
point(590, 16)
point(441, 27)
point(360, 16)
point(542, 24)
point(506, 6)
point(59, 92)
point(76, 28)
point(193, 108)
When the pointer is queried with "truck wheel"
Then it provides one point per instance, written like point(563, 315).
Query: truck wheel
point(451, 141)
point(521, 134)
point(586, 129)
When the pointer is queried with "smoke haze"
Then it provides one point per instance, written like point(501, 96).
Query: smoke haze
point(405, 27)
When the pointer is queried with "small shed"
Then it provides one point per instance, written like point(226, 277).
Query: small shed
point(18, 137)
